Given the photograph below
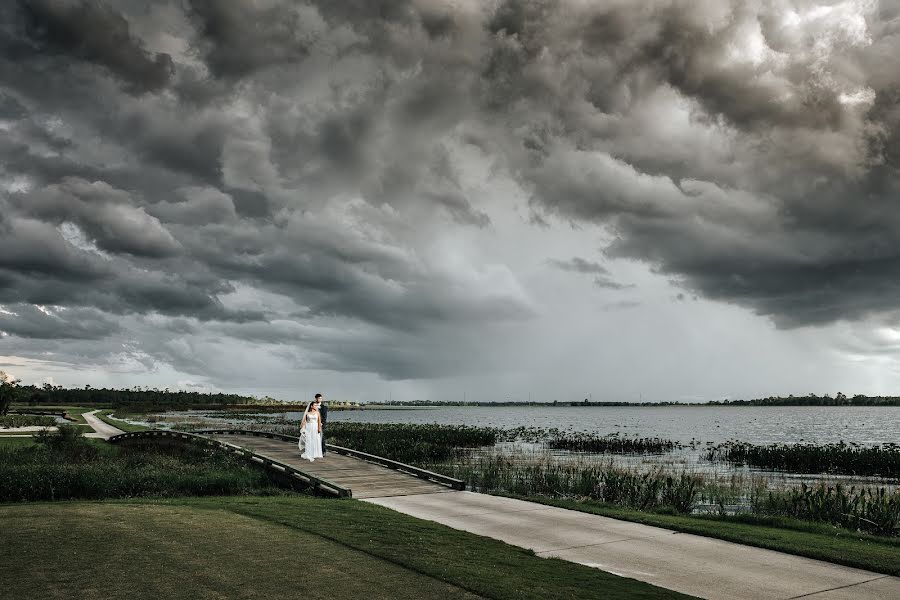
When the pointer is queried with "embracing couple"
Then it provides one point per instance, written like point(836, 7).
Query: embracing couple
point(312, 429)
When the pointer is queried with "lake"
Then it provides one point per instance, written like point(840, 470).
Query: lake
point(755, 424)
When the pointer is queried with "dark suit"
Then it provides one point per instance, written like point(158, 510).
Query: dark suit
point(323, 415)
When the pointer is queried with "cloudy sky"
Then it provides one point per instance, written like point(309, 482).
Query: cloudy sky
point(658, 200)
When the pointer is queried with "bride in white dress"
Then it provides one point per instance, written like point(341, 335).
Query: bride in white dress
point(311, 426)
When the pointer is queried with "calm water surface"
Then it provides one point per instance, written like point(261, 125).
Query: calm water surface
point(756, 424)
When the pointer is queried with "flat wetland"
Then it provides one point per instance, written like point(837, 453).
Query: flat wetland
point(694, 430)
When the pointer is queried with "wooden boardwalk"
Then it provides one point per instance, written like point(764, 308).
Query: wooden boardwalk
point(366, 479)
point(342, 472)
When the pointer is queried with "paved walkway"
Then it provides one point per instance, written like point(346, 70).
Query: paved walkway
point(101, 429)
point(696, 565)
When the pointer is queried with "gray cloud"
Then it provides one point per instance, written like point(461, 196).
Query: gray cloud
point(95, 32)
point(186, 163)
point(601, 273)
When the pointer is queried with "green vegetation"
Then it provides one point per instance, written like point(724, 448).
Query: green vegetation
point(8, 441)
point(873, 510)
point(641, 490)
point(7, 392)
point(614, 444)
point(135, 398)
point(127, 427)
point(876, 511)
point(484, 566)
point(63, 465)
point(26, 421)
point(410, 443)
point(841, 458)
point(248, 548)
point(813, 540)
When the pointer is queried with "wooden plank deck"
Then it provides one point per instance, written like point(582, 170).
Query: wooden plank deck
point(365, 479)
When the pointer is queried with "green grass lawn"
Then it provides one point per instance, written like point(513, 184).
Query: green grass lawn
point(273, 547)
point(813, 540)
point(15, 442)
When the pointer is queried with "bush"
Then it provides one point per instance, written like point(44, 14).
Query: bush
point(26, 421)
point(65, 466)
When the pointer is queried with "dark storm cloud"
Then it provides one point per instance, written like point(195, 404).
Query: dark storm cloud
point(46, 323)
point(106, 214)
point(190, 160)
point(241, 37)
point(94, 32)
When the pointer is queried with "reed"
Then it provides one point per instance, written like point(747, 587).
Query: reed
point(873, 510)
point(649, 490)
point(611, 444)
point(840, 458)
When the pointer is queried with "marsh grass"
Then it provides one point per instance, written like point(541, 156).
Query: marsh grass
point(874, 510)
point(611, 444)
point(64, 465)
point(840, 458)
point(647, 490)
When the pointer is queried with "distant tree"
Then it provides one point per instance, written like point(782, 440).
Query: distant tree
point(7, 391)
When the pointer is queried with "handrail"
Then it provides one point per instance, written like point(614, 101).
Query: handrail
point(456, 484)
point(266, 461)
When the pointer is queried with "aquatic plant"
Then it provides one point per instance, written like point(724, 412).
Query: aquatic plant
point(615, 485)
point(873, 510)
point(840, 458)
point(614, 443)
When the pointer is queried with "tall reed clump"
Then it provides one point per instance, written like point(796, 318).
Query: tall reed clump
point(840, 458)
point(612, 444)
point(873, 510)
point(409, 443)
point(642, 490)
point(64, 466)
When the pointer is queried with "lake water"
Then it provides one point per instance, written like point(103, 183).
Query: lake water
point(755, 424)
point(699, 424)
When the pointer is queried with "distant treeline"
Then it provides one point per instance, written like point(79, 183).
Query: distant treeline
point(131, 398)
point(811, 400)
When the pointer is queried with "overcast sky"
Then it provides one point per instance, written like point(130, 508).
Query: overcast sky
point(657, 200)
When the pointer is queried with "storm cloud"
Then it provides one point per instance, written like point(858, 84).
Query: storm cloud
point(329, 183)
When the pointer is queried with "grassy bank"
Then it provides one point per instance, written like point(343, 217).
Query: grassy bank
point(105, 416)
point(275, 548)
point(64, 466)
point(813, 540)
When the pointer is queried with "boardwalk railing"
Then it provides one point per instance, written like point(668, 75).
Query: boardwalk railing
point(456, 484)
point(270, 463)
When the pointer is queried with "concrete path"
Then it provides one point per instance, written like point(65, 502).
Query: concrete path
point(101, 429)
point(696, 565)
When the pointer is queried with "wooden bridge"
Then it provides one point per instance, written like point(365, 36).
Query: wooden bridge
point(342, 472)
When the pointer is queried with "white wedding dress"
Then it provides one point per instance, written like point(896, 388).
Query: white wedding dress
point(313, 449)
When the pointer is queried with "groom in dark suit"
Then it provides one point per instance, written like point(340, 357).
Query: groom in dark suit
point(323, 415)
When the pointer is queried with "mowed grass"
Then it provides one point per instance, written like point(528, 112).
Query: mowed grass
point(268, 547)
point(812, 540)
